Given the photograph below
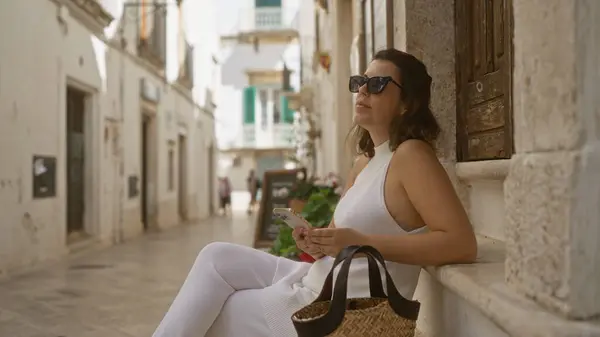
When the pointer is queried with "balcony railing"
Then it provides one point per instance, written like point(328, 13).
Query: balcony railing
point(153, 47)
point(280, 136)
point(267, 19)
point(283, 135)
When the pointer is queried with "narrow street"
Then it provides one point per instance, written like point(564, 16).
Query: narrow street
point(121, 291)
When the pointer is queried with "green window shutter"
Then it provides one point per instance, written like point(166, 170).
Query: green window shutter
point(267, 3)
point(249, 103)
point(288, 114)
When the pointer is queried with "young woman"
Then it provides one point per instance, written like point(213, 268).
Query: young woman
point(224, 194)
point(398, 199)
point(252, 184)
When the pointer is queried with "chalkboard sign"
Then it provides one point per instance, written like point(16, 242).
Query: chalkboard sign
point(276, 186)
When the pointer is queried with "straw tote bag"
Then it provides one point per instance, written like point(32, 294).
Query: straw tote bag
point(338, 316)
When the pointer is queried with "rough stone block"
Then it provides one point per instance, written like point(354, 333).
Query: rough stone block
point(430, 37)
point(555, 107)
point(552, 201)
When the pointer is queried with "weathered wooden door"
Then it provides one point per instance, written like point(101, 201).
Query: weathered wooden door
point(75, 160)
point(145, 161)
point(484, 85)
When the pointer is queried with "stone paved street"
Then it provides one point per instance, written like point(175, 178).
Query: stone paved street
point(121, 291)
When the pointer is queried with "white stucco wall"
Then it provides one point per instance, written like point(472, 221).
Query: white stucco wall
point(329, 147)
point(36, 64)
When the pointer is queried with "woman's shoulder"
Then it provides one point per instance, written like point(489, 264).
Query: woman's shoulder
point(415, 149)
point(414, 155)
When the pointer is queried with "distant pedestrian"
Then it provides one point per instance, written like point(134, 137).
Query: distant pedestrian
point(253, 185)
point(225, 194)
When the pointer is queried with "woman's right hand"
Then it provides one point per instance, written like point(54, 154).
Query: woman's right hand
point(301, 237)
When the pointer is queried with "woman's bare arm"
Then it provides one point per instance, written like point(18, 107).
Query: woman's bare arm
point(450, 238)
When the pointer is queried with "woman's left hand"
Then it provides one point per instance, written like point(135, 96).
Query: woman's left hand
point(331, 241)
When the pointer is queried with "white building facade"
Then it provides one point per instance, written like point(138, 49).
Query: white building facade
point(261, 66)
point(107, 123)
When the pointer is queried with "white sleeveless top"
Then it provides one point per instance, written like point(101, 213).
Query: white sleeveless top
point(362, 208)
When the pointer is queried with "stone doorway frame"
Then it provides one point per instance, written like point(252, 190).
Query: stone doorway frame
point(93, 156)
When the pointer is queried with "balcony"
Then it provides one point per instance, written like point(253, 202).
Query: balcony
point(268, 18)
point(153, 47)
point(266, 25)
point(186, 68)
point(278, 136)
point(283, 136)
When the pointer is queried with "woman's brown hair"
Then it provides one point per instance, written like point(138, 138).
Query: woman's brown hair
point(418, 121)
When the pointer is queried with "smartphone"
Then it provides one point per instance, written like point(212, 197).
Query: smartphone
point(291, 218)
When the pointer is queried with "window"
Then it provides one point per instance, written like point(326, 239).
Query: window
point(171, 172)
point(268, 14)
point(379, 25)
point(367, 21)
point(159, 31)
point(267, 3)
point(317, 32)
point(249, 104)
point(288, 114)
point(264, 116)
point(383, 27)
point(152, 32)
point(484, 80)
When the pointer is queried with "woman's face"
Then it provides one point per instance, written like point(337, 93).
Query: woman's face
point(376, 110)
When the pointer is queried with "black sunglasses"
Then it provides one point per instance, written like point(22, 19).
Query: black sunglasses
point(375, 84)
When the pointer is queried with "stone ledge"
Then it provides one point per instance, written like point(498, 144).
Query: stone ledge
point(483, 170)
point(482, 285)
point(90, 13)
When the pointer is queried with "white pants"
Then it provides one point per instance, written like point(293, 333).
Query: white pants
point(221, 296)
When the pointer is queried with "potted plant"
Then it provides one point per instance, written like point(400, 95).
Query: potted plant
point(322, 198)
point(300, 193)
point(323, 4)
point(325, 61)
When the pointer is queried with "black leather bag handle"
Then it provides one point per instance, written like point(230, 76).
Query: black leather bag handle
point(329, 322)
point(375, 285)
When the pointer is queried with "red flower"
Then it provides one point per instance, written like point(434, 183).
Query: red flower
point(306, 258)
